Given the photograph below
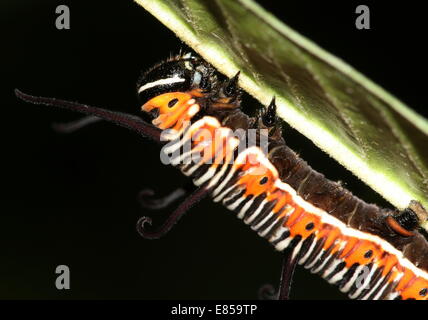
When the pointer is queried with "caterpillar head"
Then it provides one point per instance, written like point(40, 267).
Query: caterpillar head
point(170, 90)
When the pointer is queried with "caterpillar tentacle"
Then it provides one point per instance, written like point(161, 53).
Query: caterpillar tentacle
point(173, 218)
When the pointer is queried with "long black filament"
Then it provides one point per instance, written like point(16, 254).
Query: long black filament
point(173, 218)
point(288, 266)
point(129, 121)
point(267, 291)
point(148, 199)
point(73, 126)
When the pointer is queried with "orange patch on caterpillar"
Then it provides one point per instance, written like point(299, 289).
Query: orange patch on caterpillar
point(397, 228)
point(296, 216)
point(363, 255)
point(406, 280)
point(324, 230)
point(283, 198)
point(332, 236)
point(287, 210)
point(169, 115)
point(197, 93)
point(388, 262)
point(257, 179)
point(305, 225)
point(351, 243)
point(415, 289)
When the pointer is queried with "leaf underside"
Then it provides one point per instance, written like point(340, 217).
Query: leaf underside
point(367, 130)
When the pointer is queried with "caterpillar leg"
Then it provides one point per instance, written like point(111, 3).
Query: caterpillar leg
point(173, 218)
point(129, 121)
point(147, 199)
point(267, 292)
point(73, 126)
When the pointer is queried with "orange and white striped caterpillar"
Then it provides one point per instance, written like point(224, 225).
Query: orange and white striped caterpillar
point(367, 251)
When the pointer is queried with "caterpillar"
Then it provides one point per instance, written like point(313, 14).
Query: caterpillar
point(196, 116)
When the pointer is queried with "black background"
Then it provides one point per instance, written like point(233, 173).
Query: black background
point(71, 199)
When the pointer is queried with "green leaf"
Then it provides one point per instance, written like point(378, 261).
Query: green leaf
point(366, 129)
